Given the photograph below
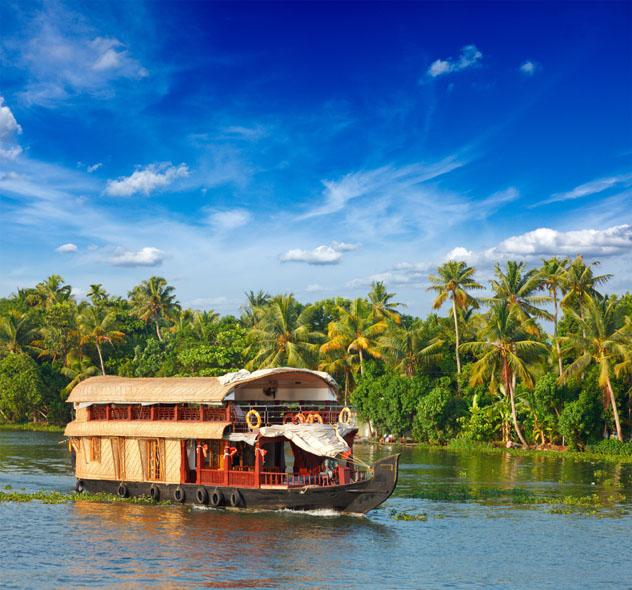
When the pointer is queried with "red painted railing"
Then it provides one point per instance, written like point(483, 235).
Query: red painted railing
point(158, 412)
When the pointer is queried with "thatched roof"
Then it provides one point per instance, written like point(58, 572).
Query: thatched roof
point(116, 390)
point(142, 429)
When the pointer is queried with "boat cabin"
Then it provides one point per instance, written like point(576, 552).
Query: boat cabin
point(271, 429)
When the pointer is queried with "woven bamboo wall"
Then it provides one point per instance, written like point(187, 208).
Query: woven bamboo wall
point(87, 469)
point(133, 460)
point(173, 456)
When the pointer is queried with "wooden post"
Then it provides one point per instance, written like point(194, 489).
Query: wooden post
point(108, 409)
point(177, 412)
point(227, 416)
point(129, 411)
point(201, 413)
point(257, 465)
point(184, 461)
point(152, 412)
point(227, 462)
point(198, 466)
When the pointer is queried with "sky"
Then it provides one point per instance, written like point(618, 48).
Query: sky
point(310, 148)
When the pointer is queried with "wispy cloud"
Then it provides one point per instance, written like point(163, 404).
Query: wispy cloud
point(147, 256)
point(401, 274)
point(68, 248)
point(230, 219)
point(146, 180)
point(592, 187)
point(469, 57)
point(529, 68)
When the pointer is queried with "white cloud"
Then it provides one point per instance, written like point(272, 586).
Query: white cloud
point(94, 167)
point(321, 255)
point(147, 256)
point(590, 188)
point(402, 274)
point(67, 248)
point(314, 288)
point(246, 133)
point(544, 241)
point(209, 302)
point(528, 68)
point(231, 219)
point(469, 57)
point(146, 180)
point(9, 128)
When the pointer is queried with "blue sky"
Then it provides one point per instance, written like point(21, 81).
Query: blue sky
point(310, 148)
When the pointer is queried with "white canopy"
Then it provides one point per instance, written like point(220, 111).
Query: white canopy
point(322, 440)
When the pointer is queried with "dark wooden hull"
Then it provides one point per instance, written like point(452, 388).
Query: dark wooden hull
point(356, 498)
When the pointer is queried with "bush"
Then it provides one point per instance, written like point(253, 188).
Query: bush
point(612, 446)
point(581, 420)
point(437, 414)
point(21, 387)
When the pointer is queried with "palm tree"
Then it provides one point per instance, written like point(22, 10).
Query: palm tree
point(381, 302)
point(517, 286)
point(18, 333)
point(551, 278)
point(601, 343)
point(256, 302)
point(78, 367)
point(341, 363)
point(96, 327)
point(154, 301)
point(579, 284)
point(407, 347)
point(453, 280)
point(356, 332)
point(52, 290)
point(282, 336)
point(97, 294)
point(506, 352)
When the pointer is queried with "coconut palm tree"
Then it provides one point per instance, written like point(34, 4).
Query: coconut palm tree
point(282, 336)
point(551, 277)
point(52, 290)
point(381, 303)
point(18, 333)
point(341, 363)
point(154, 301)
point(599, 342)
point(98, 328)
point(453, 280)
point(356, 332)
point(408, 347)
point(78, 367)
point(97, 294)
point(256, 302)
point(505, 353)
point(579, 284)
point(517, 286)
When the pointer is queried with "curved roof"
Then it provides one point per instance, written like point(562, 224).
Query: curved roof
point(143, 429)
point(110, 389)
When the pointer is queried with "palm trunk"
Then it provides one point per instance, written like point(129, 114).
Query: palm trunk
point(456, 334)
point(346, 385)
point(361, 362)
point(514, 414)
point(557, 342)
point(615, 412)
point(100, 359)
point(158, 331)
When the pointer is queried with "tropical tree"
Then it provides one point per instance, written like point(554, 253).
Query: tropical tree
point(98, 328)
point(551, 278)
point(18, 333)
point(154, 301)
point(382, 304)
point(78, 367)
point(97, 294)
point(255, 303)
point(282, 336)
point(341, 363)
point(52, 290)
point(598, 342)
point(580, 284)
point(356, 332)
point(505, 353)
point(409, 347)
point(453, 280)
point(517, 286)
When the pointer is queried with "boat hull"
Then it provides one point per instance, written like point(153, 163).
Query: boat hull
point(359, 497)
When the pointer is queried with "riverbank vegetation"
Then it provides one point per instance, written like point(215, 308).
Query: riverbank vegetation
point(536, 357)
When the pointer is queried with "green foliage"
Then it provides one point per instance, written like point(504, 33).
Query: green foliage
point(581, 420)
point(21, 388)
point(611, 446)
point(436, 420)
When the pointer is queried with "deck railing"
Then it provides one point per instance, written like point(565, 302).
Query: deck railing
point(159, 412)
point(272, 415)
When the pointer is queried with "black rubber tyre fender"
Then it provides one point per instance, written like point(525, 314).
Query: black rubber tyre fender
point(201, 496)
point(122, 491)
point(80, 487)
point(179, 495)
point(154, 492)
point(235, 499)
point(216, 498)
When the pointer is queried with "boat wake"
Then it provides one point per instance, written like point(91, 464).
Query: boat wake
point(319, 513)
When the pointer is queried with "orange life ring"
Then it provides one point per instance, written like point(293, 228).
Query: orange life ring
point(300, 418)
point(288, 417)
point(315, 417)
point(257, 423)
point(345, 416)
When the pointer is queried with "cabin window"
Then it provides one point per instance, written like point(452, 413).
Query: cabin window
point(155, 460)
point(95, 449)
point(212, 454)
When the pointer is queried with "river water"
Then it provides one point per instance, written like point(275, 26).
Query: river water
point(480, 520)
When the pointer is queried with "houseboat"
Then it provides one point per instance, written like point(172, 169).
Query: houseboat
point(270, 439)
